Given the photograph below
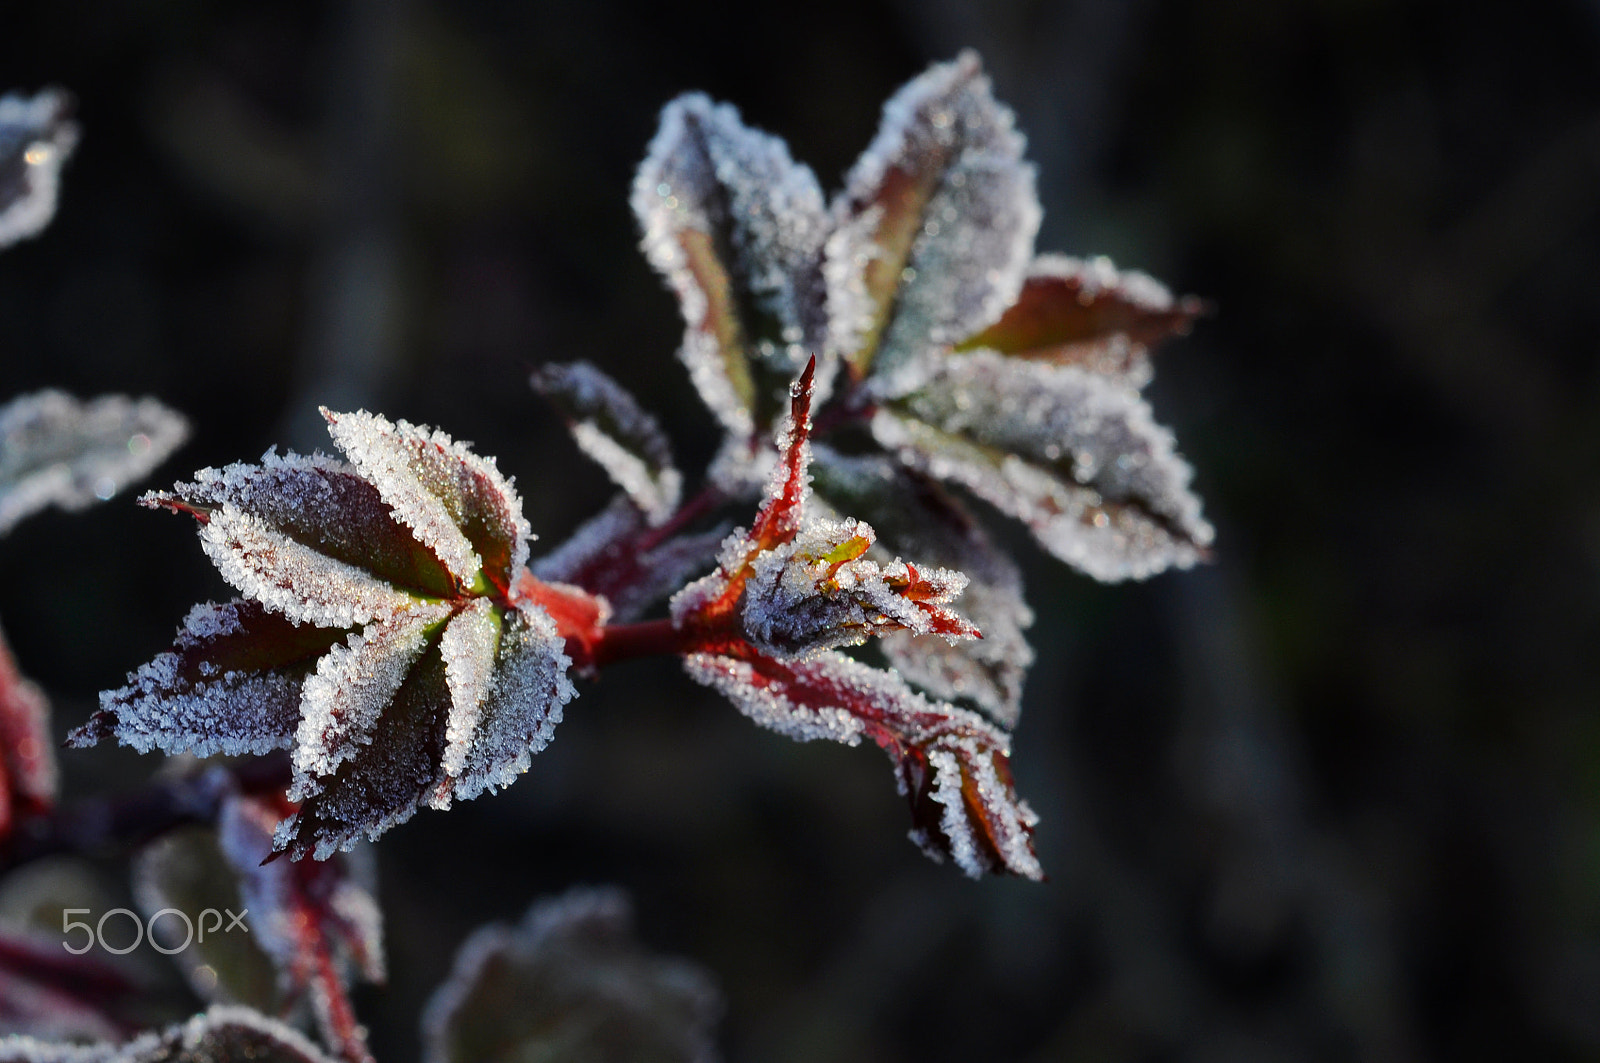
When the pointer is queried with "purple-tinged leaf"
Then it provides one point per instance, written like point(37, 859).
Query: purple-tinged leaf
point(610, 427)
point(448, 689)
point(952, 765)
point(1088, 313)
point(1075, 455)
point(230, 684)
point(36, 137)
point(616, 556)
point(456, 503)
point(222, 1034)
point(935, 227)
point(28, 778)
point(322, 504)
point(570, 982)
point(56, 450)
point(916, 517)
point(341, 703)
point(425, 749)
point(736, 229)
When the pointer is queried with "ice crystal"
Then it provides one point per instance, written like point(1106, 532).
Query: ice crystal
point(223, 1033)
point(610, 427)
point(571, 982)
point(36, 137)
point(736, 229)
point(380, 639)
point(1072, 453)
point(935, 227)
point(951, 764)
point(56, 450)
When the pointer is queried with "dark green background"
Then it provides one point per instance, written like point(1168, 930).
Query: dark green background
point(1337, 796)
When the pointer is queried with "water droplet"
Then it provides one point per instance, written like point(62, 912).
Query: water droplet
point(104, 488)
point(139, 445)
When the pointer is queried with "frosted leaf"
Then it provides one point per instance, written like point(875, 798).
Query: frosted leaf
point(736, 229)
point(456, 503)
point(935, 227)
point(469, 646)
point(222, 1033)
point(380, 781)
point(610, 427)
point(56, 450)
point(952, 765)
point(36, 137)
point(570, 982)
point(186, 870)
point(1087, 313)
point(795, 584)
point(230, 684)
point(616, 556)
point(294, 579)
point(915, 517)
point(324, 505)
point(818, 592)
point(523, 705)
point(28, 779)
point(341, 702)
point(1075, 455)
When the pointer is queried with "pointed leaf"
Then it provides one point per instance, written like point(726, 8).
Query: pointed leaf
point(915, 517)
point(455, 502)
point(570, 982)
point(321, 504)
point(36, 137)
point(935, 227)
point(56, 450)
point(736, 228)
point(1087, 313)
point(341, 703)
point(611, 428)
point(952, 765)
point(230, 684)
point(1076, 456)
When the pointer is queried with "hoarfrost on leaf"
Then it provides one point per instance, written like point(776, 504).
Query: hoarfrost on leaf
point(610, 427)
point(57, 450)
point(915, 516)
point(36, 137)
point(1074, 454)
point(570, 982)
point(736, 229)
point(452, 681)
point(951, 764)
point(934, 229)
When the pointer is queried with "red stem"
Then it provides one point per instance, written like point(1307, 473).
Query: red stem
point(650, 638)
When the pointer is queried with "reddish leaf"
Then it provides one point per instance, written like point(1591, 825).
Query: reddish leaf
point(47, 992)
point(952, 765)
point(1087, 313)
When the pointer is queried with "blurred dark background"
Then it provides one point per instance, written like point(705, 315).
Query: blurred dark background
point(1334, 797)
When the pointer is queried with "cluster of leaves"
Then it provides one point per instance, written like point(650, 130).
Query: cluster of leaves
point(872, 361)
